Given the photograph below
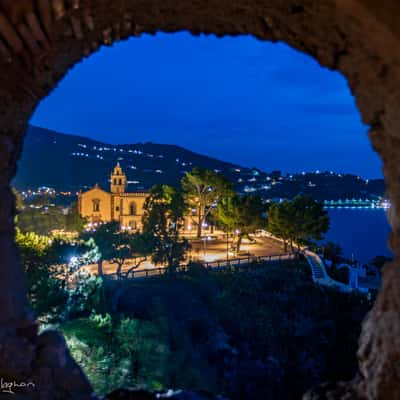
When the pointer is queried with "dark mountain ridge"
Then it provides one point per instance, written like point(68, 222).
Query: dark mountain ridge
point(72, 163)
point(68, 162)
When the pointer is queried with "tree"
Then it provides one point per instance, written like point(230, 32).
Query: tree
point(124, 247)
point(380, 261)
point(142, 245)
point(203, 189)
point(114, 245)
point(103, 236)
point(48, 264)
point(41, 220)
point(300, 220)
point(42, 216)
point(162, 223)
point(73, 221)
point(279, 221)
point(46, 295)
point(240, 214)
point(70, 256)
point(333, 252)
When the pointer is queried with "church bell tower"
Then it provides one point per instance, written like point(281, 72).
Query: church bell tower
point(118, 180)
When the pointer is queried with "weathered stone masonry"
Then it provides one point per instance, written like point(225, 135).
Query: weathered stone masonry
point(40, 40)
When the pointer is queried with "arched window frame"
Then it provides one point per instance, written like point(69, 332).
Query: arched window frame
point(96, 205)
point(132, 208)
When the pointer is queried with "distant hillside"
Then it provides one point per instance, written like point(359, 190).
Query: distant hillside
point(70, 163)
point(67, 162)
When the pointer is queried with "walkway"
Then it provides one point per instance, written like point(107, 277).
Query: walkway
point(318, 270)
point(215, 265)
point(319, 274)
point(317, 266)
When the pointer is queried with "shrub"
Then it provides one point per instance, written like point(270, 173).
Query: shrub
point(125, 353)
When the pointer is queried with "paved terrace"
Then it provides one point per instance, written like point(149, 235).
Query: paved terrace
point(205, 251)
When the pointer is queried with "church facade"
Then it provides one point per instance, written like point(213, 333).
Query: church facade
point(98, 205)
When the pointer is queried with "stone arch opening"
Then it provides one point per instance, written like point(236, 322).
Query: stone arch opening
point(42, 39)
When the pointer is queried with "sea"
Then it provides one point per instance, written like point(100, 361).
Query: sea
point(362, 233)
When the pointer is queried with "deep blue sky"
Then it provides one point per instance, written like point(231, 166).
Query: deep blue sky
point(250, 102)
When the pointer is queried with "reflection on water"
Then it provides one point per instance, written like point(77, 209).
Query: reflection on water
point(360, 232)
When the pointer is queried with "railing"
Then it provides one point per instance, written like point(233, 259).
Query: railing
point(249, 260)
point(234, 263)
point(241, 264)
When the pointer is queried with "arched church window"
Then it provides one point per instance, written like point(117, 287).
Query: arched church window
point(96, 205)
point(115, 181)
point(120, 182)
point(132, 208)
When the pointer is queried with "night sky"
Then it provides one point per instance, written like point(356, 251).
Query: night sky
point(238, 99)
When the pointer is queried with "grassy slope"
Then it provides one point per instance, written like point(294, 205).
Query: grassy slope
point(269, 332)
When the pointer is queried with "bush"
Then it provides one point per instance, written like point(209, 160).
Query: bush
point(340, 274)
point(86, 297)
point(196, 269)
point(125, 353)
point(46, 294)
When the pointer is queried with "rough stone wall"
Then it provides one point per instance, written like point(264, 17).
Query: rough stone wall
point(40, 40)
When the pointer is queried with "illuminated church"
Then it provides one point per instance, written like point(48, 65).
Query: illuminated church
point(97, 205)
